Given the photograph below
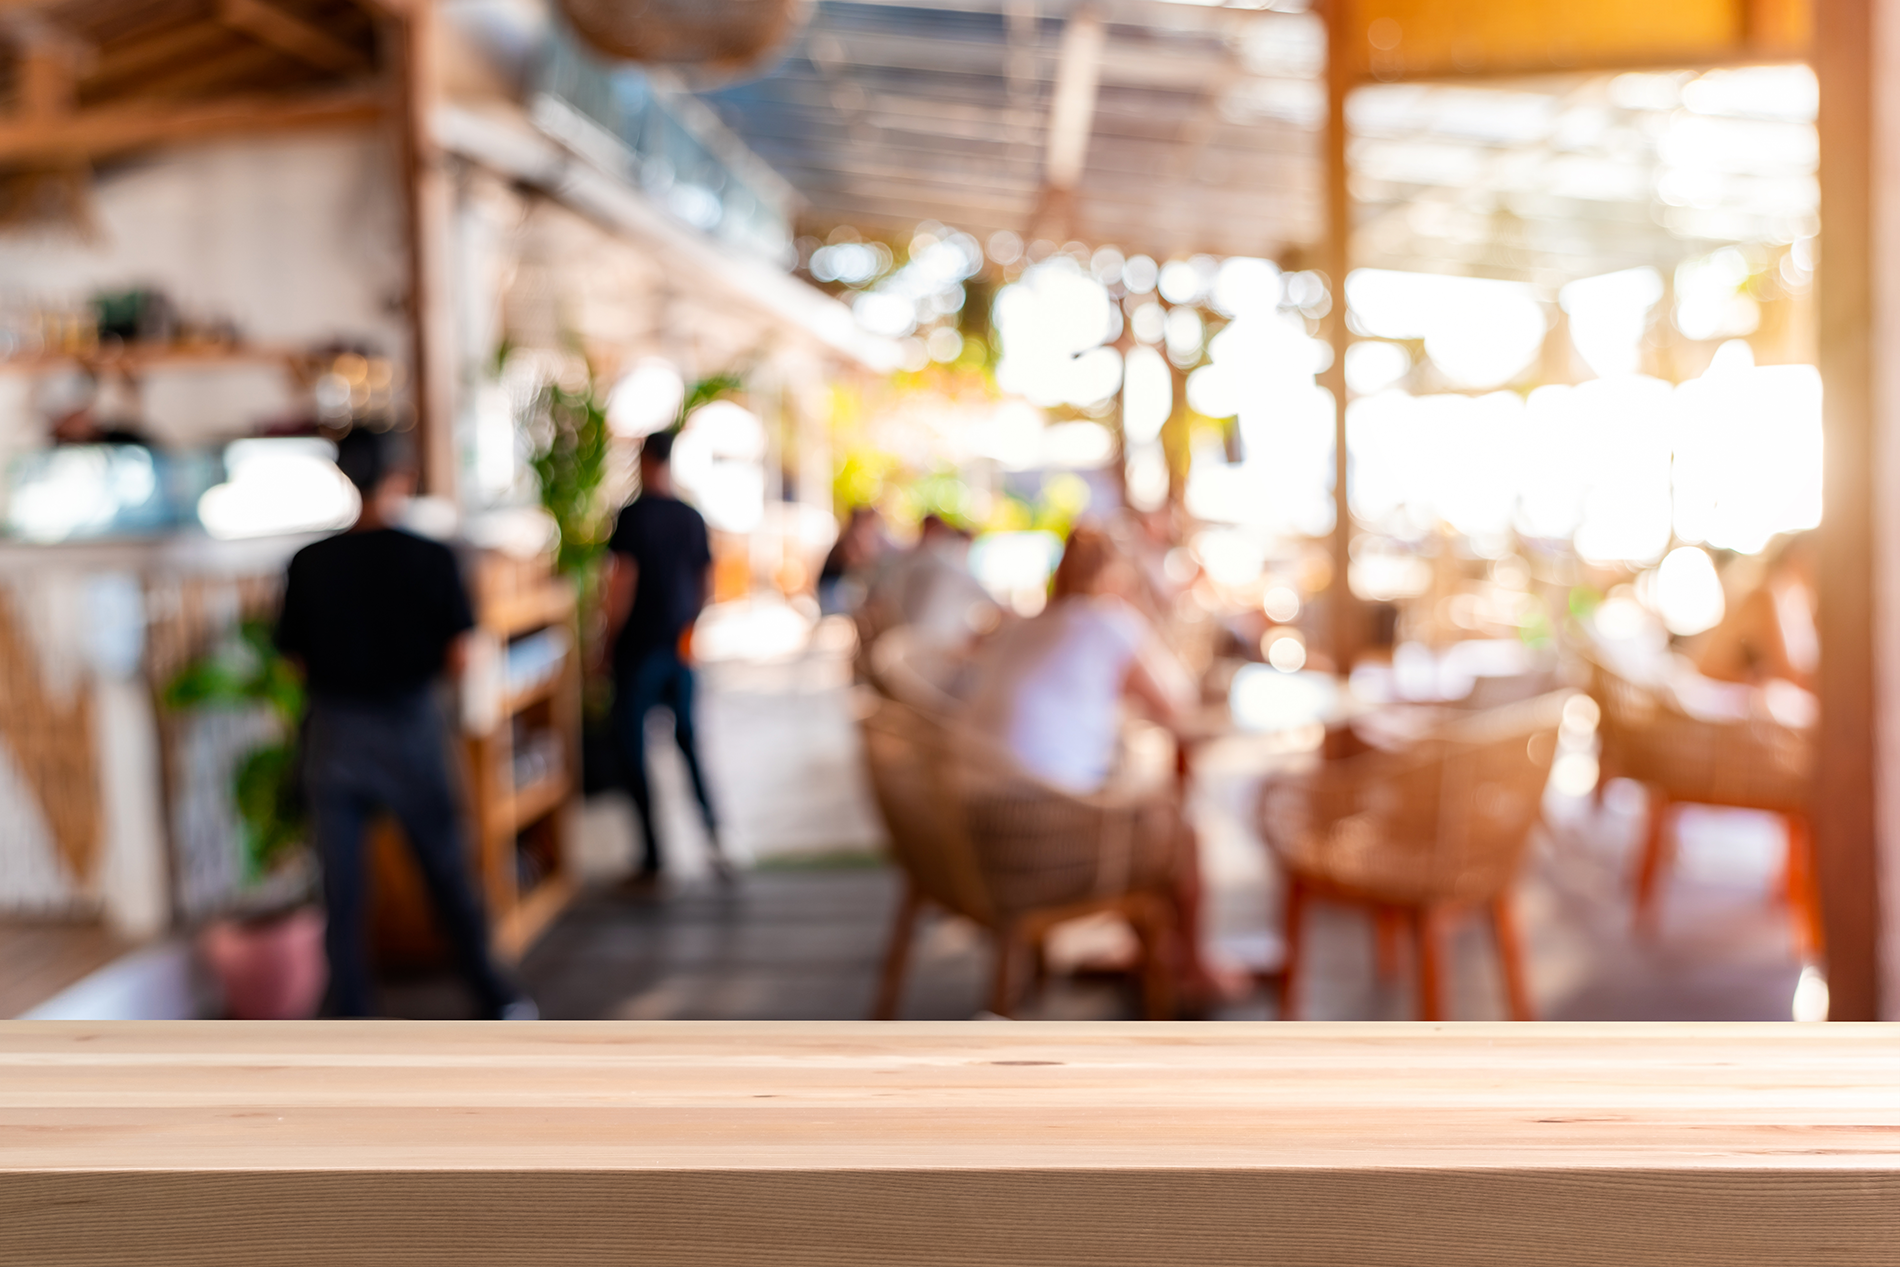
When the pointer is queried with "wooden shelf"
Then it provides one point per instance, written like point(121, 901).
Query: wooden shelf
point(532, 803)
point(516, 614)
point(535, 694)
point(534, 911)
point(949, 1145)
point(134, 358)
point(499, 811)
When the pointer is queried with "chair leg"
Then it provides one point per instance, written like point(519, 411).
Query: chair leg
point(1431, 999)
point(1388, 930)
point(1291, 923)
point(1511, 958)
point(1003, 983)
point(897, 955)
point(1658, 844)
point(1803, 893)
point(1154, 925)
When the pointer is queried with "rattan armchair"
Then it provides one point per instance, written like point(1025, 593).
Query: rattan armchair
point(1753, 762)
point(925, 676)
point(1418, 835)
point(977, 836)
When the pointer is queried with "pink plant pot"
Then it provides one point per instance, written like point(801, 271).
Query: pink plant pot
point(270, 969)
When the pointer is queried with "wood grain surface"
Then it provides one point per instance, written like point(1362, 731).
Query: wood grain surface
point(1008, 1143)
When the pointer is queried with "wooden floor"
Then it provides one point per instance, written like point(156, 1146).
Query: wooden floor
point(806, 943)
point(796, 941)
point(38, 960)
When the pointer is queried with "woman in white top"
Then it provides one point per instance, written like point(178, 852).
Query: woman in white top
point(1051, 690)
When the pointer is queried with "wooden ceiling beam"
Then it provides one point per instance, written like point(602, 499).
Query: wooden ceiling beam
point(133, 57)
point(108, 130)
point(292, 36)
point(47, 78)
point(210, 74)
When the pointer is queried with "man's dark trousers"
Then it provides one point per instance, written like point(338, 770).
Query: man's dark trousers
point(656, 679)
point(365, 757)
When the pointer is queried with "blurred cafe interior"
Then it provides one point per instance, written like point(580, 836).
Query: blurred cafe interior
point(1229, 509)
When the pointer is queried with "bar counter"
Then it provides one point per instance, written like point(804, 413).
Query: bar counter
point(1004, 1143)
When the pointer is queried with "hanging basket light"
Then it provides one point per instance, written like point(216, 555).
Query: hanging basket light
point(725, 38)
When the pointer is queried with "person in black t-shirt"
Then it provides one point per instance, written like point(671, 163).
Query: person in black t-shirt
point(659, 573)
point(375, 615)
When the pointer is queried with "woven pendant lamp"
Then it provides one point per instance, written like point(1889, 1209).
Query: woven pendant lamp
point(720, 36)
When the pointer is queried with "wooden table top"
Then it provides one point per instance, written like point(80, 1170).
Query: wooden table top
point(1067, 1137)
point(745, 1095)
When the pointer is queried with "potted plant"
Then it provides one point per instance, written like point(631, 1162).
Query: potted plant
point(267, 952)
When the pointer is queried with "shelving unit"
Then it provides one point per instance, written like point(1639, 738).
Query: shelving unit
point(518, 833)
point(522, 829)
point(134, 358)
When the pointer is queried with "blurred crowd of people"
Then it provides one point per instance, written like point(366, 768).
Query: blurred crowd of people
point(375, 614)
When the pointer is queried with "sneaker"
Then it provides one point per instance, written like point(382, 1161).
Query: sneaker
point(522, 1009)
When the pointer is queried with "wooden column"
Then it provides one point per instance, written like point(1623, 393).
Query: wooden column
point(1858, 301)
point(410, 34)
point(46, 81)
point(1342, 59)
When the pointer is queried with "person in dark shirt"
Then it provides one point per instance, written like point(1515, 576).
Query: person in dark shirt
point(659, 572)
point(375, 615)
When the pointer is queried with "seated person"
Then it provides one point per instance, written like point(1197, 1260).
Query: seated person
point(854, 556)
point(1769, 634)
point(930, 589)
point(1050, 690)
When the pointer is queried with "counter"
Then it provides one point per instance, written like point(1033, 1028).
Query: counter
point(995, 1144)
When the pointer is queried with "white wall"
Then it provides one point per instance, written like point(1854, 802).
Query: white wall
point(297, 240)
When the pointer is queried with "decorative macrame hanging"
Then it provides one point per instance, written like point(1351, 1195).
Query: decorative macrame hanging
point(724, 37)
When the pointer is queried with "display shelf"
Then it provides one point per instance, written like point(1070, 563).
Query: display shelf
point(136, 358)
point(534, 911)
point(532, 803)
point(510, 615)
point(512, 602)
point(527, 697)
point(518, 602)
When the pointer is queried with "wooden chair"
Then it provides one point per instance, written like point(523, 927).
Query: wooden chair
point(1417, 836)
point(978, 837)
point(1752, 762)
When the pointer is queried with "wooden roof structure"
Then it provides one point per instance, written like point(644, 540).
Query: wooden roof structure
point(1201, 133)
point(82, 80)
point(1189, 127)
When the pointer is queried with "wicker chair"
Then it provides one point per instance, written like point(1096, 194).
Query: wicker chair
point(1417, 835)
point(978, 837)
point(902, 667)
point(1754, 762)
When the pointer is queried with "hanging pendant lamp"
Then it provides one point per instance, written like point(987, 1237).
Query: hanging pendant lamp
point(723, 37)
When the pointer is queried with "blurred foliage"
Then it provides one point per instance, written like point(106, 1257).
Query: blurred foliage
point(705, 392)
point(570, 466)
point(1064, 497)
point(248, 671)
